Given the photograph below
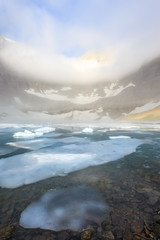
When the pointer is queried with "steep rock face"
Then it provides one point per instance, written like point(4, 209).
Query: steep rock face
point(136, 93)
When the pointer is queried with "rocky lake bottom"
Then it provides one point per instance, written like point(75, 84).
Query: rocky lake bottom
point(129, 185)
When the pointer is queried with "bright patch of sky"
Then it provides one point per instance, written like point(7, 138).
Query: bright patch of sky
point(126, 31)
point(74, 27)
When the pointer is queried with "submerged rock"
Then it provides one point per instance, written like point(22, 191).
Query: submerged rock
point(7, 232)
point(87, 233)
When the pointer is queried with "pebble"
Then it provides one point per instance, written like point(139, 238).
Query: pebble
point(62, 235)
point(87, 234)
point(148, 210)
point(137, 226)
point(156, 230)
point(153, 200)
point(108, 236)
point(38, 237)
point(118, 233)
point(127, 235)
point(157, 219)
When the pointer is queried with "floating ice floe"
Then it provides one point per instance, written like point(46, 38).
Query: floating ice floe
point(44, 130)
point(72, 208)
point(36, 144)
point(117, 137)
point(33, 144)
point(37, 133)
point(87, 130)
point(37, 165)
point(74, 140)
point(27, 134)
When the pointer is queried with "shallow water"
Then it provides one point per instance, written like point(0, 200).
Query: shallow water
point(129, 184)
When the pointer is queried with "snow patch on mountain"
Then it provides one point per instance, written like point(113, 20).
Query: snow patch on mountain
point(112, 91)
point(149, 106)
point(66, 88)
point(79, 99)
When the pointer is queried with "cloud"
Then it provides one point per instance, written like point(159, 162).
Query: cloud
point(42, 66)
point(65, 30)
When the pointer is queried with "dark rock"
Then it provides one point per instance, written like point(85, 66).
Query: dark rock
point(116, 219)
point(118, 233)
point(153, 200)
point(148, 210)
point(156, 230)
point(156, 219)
point(7, 232)
point(137, 226)
point(62, 235)
point(127, 235)
point(38, 237)
point(148, 221)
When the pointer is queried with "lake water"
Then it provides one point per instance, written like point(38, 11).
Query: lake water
point(58, 180)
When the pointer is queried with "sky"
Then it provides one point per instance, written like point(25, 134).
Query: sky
point(92, 40)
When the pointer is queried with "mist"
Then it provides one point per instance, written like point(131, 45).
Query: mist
point(80, 43)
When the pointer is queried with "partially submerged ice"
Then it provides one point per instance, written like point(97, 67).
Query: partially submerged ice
point(72, 208)
point(45, 130)
point(47, 162)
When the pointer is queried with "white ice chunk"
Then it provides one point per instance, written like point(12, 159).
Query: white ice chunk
point(31, 167)
point(27, 134)
point(117, 137)
point(87, 130)
point(64, 209)
point(44, 130)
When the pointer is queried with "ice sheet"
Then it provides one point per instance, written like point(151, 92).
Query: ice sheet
point(36, 144)
point(72, 208)
point(6, 150)
point(41, 164)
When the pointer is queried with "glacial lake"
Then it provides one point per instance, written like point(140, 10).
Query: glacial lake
point(58, 181)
